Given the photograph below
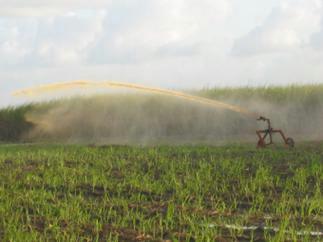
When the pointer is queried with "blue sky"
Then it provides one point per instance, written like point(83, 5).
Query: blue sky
point(165, 43)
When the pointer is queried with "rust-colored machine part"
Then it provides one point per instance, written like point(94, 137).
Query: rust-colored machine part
point(267, 134)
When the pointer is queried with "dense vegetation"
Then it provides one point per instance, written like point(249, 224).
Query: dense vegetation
point(309, 95)
point(13, 124)
point(116, 193)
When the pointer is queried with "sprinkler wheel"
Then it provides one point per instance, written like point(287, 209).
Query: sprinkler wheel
point(265, 134)
point(290, 142)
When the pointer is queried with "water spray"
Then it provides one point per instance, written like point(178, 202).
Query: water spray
point(112, 84)
point(263, 135)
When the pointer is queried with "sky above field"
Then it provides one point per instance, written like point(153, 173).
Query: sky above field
point(176, 44)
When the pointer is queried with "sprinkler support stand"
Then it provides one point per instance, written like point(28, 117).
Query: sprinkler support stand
point(263, 134)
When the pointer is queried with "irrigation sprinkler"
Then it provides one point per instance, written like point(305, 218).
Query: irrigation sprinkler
point(266, 134)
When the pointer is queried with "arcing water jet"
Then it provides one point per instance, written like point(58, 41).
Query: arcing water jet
point(109, 84)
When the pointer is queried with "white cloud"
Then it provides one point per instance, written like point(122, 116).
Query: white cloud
point(317, 38)
point(288, 28)
point(41, 8)
point(67, 39)
point(121, 32)
point(145, 30)
point(15, 39)
point(58, 40)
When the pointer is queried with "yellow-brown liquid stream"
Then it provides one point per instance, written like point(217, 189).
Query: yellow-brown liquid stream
point(108, 84)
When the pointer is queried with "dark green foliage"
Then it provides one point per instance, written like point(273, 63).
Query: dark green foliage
point(13, 124)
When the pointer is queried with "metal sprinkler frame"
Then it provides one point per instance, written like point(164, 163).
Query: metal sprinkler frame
point(266, 134)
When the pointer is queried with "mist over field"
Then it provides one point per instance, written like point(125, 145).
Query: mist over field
point(142, 119)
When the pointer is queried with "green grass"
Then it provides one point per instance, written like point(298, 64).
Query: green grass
point(184, 193)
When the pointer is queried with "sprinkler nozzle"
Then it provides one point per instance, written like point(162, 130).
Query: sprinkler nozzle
point(262, 118)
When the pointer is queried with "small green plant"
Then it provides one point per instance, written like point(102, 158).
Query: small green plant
point(183, 193)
